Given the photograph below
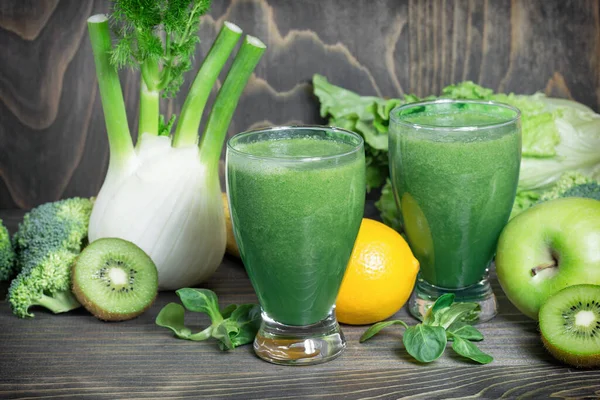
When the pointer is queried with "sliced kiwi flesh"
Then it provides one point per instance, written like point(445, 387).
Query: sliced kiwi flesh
point(114, 279)
point(570, 325)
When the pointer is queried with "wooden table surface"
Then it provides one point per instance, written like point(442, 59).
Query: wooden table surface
point(75, 355)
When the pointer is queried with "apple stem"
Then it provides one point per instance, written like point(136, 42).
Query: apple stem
point(541, 267)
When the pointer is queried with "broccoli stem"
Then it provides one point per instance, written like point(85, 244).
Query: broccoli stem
point(186, 133)
point(59, 302)
point(115, 117)
point(227, 99)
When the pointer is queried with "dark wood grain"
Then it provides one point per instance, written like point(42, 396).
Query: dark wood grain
point(75, 355)
point(52, 137)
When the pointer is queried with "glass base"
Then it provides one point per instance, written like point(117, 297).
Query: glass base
point(481, 293)
point(299, 345)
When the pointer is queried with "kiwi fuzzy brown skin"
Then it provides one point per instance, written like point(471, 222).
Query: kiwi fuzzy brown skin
point(573, 344)
point(94, 307)
point(571, 359)
point(102, 314)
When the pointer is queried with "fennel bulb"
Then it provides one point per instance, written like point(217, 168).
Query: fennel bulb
point(163, 194)
point(169, 204)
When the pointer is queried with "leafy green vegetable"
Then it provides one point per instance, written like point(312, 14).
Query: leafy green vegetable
point(366, 115)
point(375, 328)
point(47, 243)
point(540, 135)
point(172, 316)
point(559, 136)
point(464, 331)
point(442, 303)
point(469, 350)
point(232, 327)
point(241, 325)
point(444, 321)
point(201, 300)
point(458, 312)
point(426, 343)
point(7, 255)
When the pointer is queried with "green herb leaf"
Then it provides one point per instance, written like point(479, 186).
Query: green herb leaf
point(445, 320)
point(374, 329)
point(222, 332)
point(245, 314)
point(469, 350)
point(226, 312)
point(443, 302)
point(233, 326)
point(424, 342)
point(456, 312)
point(202, 335)
point(171, 317)
point(464, 331)
point(247, 320)
point(201, 300)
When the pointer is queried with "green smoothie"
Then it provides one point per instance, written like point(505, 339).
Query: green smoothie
point(455, 188)
point(295, 220)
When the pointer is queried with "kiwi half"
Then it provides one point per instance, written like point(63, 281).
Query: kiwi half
point(114, 279)
point(570, 325)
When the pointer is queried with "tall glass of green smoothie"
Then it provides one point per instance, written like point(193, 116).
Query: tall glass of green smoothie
point(296, 196)
point(454, 166)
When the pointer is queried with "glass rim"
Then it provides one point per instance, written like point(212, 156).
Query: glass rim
point(346, 132)
point(470, 128)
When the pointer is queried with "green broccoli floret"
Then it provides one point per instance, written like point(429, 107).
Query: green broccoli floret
point(47, 243)
point(590, 190)
point(573, 185)
point(7, 255)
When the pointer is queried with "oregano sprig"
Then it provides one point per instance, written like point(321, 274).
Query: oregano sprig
point(443, 322)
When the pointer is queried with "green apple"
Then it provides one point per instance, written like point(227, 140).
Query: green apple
point(548, 247)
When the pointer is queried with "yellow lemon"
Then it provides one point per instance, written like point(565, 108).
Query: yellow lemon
point(380, 276)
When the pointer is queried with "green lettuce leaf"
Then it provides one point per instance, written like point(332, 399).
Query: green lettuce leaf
point(467, 90)
point(366, 115)
point(538, 126)
point(578, 151)
point(540, 134)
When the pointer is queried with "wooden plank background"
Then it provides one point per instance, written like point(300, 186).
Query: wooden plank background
point(52, 136)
